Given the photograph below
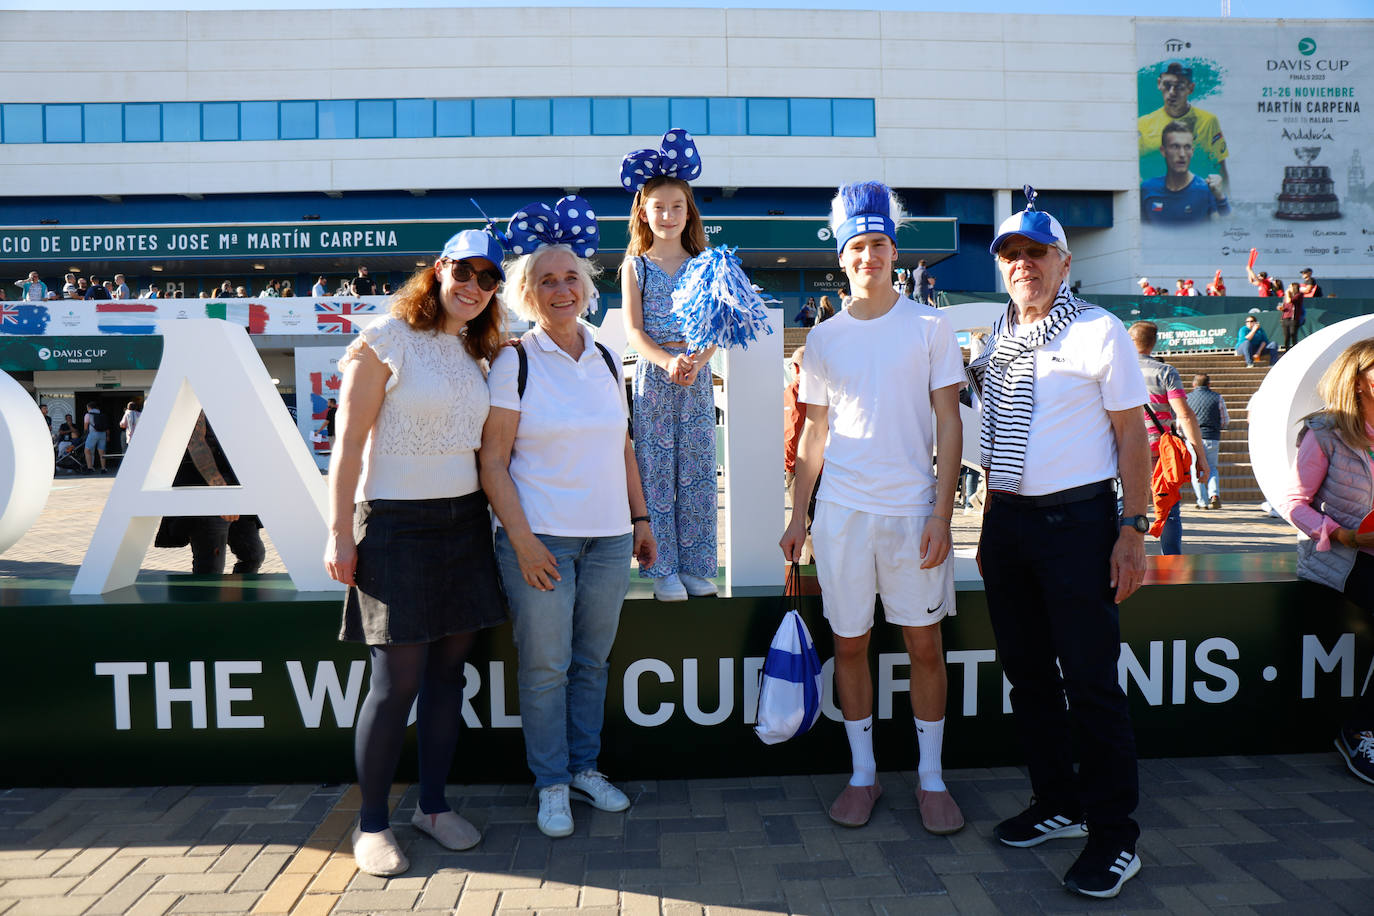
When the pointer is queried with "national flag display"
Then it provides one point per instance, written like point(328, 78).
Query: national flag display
point(337, 317)
point(125, 316)
point(19, 318)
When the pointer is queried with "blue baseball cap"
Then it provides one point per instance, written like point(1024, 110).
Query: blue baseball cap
point(475, 243)
point(1035, 225)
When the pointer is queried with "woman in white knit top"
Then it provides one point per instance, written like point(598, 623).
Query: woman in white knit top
point(416, 549)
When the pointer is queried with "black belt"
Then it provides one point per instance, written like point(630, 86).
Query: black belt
point(1062, 498)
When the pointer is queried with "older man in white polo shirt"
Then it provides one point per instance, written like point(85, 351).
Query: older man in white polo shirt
point(1061, 394)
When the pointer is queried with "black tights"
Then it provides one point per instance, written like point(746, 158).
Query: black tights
point(434, 671)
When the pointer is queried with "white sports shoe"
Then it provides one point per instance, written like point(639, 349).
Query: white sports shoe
point(555, 814)
point(696, 586)
point(596, 790)
point(670, 588)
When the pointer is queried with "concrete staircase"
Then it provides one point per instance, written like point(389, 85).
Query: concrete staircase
point(1236, 384)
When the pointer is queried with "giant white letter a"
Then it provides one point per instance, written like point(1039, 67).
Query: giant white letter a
point(211, 365)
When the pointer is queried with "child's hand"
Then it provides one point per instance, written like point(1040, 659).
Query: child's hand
point(679, 366)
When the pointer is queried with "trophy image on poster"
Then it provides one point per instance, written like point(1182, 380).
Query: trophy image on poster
point(1308, 191)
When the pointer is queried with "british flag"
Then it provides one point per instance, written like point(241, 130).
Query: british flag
point(9, 314)
point(336, 317)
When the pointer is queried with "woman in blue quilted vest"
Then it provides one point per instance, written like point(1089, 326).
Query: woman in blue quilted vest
point(1331, 501)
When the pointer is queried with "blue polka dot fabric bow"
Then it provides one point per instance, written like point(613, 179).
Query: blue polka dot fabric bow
point(677, 157)
point(569, 222)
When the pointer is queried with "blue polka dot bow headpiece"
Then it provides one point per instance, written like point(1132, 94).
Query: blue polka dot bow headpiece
point(569, 222)
point(676, 157)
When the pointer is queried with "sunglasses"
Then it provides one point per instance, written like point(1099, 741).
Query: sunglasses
point(1029, 253)
point(462, 272)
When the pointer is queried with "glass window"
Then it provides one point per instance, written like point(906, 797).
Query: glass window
point(572, 117)
point(338, 120)
point(853, 117)
point(610, 116)
point(689, 114)
point(62, 123)
point(258, 120)
point(414, 117)
point(298, 120)
point(180, 122)
point(23, 123)
point(531, 117)
point(142, 122)
point(219, 120)
point(727, 116)
point(453, 118)
point(810, 117)
point(491, 117)
point(104, 123)
point(649, 116)
point(376, 118)
point(768, 117)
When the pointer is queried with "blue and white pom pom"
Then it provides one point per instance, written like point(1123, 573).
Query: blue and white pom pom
point(717, 303)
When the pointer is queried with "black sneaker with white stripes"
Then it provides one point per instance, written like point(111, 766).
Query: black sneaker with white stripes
point(1038, 823)
point(1102, 869)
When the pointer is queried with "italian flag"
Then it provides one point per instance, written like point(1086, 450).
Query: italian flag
point(250, 315)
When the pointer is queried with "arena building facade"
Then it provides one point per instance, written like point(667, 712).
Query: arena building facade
point(216, 145)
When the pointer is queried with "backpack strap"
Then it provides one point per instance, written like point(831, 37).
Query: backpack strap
point(610, 360)
point(522, 374)
point(1155, 419)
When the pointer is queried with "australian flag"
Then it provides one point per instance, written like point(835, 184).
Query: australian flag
point(335, 317)
point(18, 318)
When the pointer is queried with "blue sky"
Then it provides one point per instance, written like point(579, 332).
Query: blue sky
point(1259, 9)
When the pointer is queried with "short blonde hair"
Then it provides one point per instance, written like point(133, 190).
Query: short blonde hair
point(522, 276)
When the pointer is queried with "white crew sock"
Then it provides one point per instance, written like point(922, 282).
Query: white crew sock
point(930, 740)
point(861, 751)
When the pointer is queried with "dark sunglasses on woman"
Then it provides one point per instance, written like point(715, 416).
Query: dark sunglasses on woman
point(462, 272)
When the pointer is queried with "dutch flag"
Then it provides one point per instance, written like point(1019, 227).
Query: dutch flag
point(126, 316)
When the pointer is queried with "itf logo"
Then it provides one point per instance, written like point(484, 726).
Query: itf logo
point(1307, 46)
point(1174, 45)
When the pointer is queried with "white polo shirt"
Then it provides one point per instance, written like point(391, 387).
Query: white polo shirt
point(1087, 370)
point(568, 460)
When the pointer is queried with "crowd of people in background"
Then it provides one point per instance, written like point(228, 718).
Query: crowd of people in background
point(34, 289)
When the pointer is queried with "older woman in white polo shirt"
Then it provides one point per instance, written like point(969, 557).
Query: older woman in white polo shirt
point(559, 469)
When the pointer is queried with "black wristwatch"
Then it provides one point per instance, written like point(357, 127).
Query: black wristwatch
point(1140, 523)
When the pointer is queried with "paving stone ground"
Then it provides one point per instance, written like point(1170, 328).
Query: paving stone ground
point(1233, 835)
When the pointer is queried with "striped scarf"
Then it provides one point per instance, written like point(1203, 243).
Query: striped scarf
point(1004, 377)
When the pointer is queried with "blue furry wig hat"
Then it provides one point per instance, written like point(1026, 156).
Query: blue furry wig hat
point(861, 207)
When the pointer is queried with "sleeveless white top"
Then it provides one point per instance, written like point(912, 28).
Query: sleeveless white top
point(424, 443)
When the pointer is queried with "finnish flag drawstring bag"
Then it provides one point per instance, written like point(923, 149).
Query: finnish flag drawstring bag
point(790, 684)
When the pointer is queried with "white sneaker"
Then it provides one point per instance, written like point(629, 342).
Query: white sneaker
point(555, 814)
point(696, 586)
point(670, 588)
point(596, 790)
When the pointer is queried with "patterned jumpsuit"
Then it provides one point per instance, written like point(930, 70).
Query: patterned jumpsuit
point(675, 442)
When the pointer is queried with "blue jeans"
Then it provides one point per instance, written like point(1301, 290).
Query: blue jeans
point(562, 638)
point(1250, 351)
point(1171, 537)
point(1212, 449)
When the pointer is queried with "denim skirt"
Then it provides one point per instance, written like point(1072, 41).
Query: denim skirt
point(426, 569)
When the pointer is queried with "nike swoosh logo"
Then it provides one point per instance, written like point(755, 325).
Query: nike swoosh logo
point(868, 728)
point(932, 610)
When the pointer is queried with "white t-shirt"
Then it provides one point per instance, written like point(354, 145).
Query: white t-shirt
point(1089, 369)
point(875, 378)
point(568, 460)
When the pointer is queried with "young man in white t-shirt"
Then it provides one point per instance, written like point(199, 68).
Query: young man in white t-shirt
point(881, 383)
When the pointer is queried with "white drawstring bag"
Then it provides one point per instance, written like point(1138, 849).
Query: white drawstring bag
point(790, 683)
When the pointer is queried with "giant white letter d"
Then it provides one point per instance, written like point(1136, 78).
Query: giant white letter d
point(211, 365)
